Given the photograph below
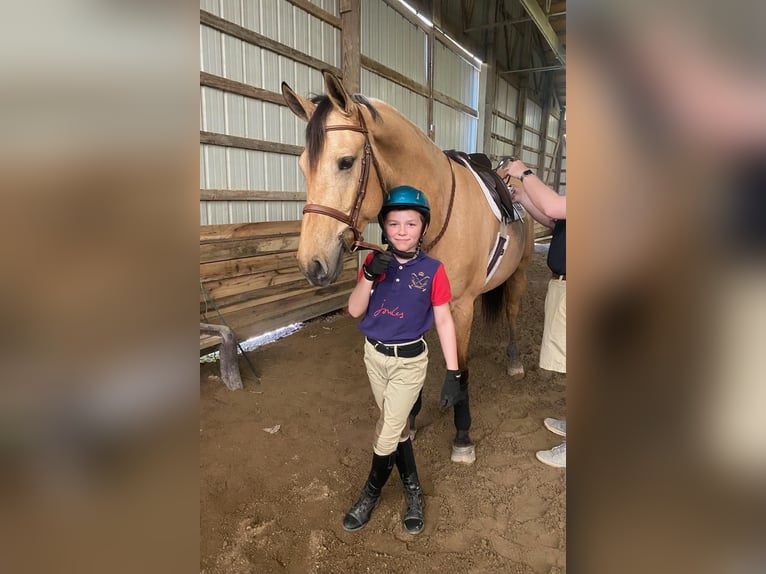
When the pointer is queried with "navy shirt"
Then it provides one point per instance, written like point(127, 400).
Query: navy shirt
point(401, 303)
point(557, 252)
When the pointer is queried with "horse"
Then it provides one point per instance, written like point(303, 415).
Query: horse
point(347, 137)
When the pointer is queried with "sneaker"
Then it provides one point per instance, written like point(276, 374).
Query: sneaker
point(556, 426)
point(556, 457)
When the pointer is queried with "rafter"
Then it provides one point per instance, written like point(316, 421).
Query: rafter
point(541, 21)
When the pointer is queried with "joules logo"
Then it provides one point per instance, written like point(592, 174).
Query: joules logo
point(383, 310)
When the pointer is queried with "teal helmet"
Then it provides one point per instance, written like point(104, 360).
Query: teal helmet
point(405, 197)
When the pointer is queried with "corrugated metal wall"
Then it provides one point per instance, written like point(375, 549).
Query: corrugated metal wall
point(237, 115)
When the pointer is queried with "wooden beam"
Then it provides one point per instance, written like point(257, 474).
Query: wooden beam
point(250, 195)
point(241, 33)
point(393, 75)
point(233, 87)
point(454, 104)
point(351, 17)
point(541, 21)
point(317, 12)
point(248, 143)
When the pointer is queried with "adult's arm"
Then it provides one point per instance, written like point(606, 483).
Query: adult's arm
point(548, 202)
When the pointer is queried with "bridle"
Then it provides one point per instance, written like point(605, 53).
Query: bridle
point(361, 192)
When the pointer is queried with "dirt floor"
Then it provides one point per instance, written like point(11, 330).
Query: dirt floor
point(281, 462)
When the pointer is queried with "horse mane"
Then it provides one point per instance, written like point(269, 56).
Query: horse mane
point(315, 130)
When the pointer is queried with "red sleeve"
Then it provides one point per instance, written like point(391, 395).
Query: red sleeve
point(367, 259)
point(440, 291)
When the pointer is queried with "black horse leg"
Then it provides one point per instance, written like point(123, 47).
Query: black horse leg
point(463, 449)
point(414, 412)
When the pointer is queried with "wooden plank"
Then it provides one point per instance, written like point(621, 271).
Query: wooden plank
point(305, 295)
point(252, 283)
point(502, 139)
point(246, 266)
point(211, 138)
point(393, 75)
point(505, 117)
point(544, 26)
point(250, 195)
point(452, 103)
point(248, 230)
point(316, 309)
point(317, 12)
point(234, 87)
point(258, 284)
point(236, 31)
point(208, 310)
point(261, 320)
point(218, 251)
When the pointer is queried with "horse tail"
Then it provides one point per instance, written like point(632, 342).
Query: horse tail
point(492, 304)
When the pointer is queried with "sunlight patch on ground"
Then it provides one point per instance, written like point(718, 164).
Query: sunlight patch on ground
point(258, 341)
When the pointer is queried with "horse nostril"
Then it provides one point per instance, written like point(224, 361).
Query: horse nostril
point(318, 270)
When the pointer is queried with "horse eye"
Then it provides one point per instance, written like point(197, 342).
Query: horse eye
point(346, 162)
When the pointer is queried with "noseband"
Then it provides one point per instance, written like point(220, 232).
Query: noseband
point(361, 190)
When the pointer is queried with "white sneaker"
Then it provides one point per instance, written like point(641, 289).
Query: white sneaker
point(556, 426)
point(556, 457)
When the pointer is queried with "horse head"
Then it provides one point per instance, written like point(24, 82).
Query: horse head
point(337, 161)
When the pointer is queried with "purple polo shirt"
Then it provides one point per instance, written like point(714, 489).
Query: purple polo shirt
point(401, 303)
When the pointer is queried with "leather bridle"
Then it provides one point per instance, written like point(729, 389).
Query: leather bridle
point(361, 192)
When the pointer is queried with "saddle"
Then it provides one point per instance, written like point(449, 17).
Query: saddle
point(497, 188)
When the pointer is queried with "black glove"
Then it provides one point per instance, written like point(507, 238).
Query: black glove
point(451, 390)
point(377, 265)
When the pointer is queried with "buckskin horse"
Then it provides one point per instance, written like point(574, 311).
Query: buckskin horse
point(349, 136)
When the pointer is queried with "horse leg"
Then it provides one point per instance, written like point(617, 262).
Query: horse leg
point(413, 413)
point(514, 291)
point(463, 448)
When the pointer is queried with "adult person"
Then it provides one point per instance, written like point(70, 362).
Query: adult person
point(401, 293)
point(550, 209)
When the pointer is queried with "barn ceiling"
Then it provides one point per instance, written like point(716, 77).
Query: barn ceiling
point(526, 38)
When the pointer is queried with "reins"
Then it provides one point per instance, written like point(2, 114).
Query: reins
point(449, 210)
point(361, 192)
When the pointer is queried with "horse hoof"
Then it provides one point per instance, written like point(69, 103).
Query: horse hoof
point(464, 454)
point(516, 373)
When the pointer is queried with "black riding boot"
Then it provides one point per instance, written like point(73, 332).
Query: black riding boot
point(359, 514)
point(405, 462)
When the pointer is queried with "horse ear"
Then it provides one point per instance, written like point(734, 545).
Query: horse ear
point(337, 93)
point(300, 106)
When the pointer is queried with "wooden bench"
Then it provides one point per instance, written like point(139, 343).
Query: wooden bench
point(227, 352)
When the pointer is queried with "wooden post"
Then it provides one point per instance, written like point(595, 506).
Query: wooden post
point(227, 353)
point(487, 107)
point(351, 45)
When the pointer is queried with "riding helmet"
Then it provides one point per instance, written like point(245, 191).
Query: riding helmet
point(405, 197)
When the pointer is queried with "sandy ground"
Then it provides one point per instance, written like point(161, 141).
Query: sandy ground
point(274, 501)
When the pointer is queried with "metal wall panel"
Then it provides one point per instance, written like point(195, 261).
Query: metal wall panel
point(534, 115)
point(232, 114)
point(507, 98)
point(390, 39)
point(411, 105)
point(455, 76)
point(454, 129)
